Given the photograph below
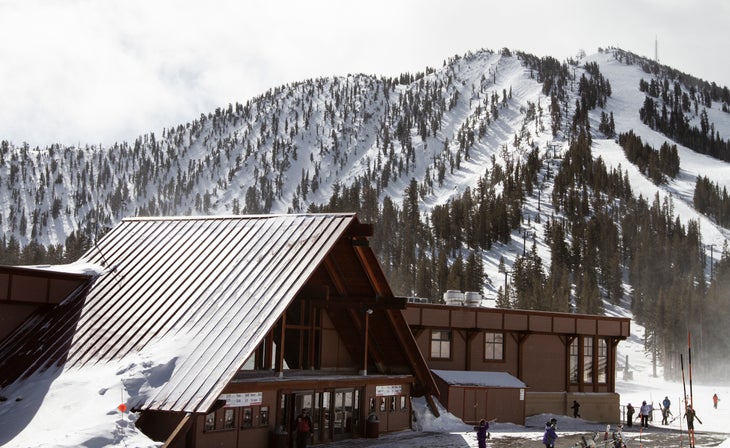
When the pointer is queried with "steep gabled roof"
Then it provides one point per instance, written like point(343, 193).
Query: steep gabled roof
point(215, 286)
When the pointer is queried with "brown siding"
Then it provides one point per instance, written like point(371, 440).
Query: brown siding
point(515, 322)
point(564, 325)
point(412, 314)
point(390, 421)
point(334, 354)
point(507, 405)
point(489, 320)
point(37, 285)
point(435, 318)
point(472, 404)
point(586, 326)
point(462, 318)
point(12, 315)
point(609, 328)
point(158, 425)
point(541, 324)
point(544, 363)
point(29, 289)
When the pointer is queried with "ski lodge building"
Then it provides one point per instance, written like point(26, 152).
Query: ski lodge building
point(263, 316)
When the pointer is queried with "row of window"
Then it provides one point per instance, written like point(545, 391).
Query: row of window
point(441, 345)
point(585, 352)
point(251, 417)
point(494, 351)
point(389, 404)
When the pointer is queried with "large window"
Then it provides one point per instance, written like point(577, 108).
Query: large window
point(574, 361)
point(602, 361)
point(440, 344)
point(588, 359)
point(494, 346)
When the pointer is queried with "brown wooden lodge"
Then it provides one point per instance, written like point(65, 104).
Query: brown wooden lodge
point(286, 312)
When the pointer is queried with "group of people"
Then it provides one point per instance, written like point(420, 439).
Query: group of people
point(645, 413)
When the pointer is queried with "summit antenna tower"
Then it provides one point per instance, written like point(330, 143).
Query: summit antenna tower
point(656, 49)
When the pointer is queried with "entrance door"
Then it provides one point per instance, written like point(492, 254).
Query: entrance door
point(293, 405)
point(346, 411)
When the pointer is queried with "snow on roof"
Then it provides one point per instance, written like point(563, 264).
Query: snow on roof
point(72, 268)
point(206, 289)
point(483, 379)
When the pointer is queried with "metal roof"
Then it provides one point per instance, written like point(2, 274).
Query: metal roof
point(214, 286)
point(479, 378)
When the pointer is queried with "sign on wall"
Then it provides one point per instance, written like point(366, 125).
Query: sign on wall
point(387, 391)
point(241, 400)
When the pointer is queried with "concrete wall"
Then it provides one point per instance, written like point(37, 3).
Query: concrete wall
point(598, 407)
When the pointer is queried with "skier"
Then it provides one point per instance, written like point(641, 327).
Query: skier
point(575, 408)
point(644, 411)
point(629, 415)
point(665, 410)
point(715, 399)
point(550, 434)
point(482, 433)
point(690, 415)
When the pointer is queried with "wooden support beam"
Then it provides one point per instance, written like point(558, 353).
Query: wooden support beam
point(353, 302)
point(180, 430)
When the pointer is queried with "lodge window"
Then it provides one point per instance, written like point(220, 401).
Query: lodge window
point(264, 416)
point(588, 359)
point(247, 420)
point(228, 418)
point(220, 420)
point(574, 361)
point(440, 344)
point(493, 346)
point(210, 421)
point(602, 360)
point(391, 403)
point(252, 416)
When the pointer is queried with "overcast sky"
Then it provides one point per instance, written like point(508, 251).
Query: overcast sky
point(92, 71)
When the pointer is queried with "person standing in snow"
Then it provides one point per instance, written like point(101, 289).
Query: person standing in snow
point(548, 438)
point(665, 410)
point(482, 433)
point(715, 399)
point(575, 408)
point(629, 415)
point(644, 411)
point(690, 415)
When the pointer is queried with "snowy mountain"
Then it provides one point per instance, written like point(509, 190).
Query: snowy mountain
point(294, 145)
